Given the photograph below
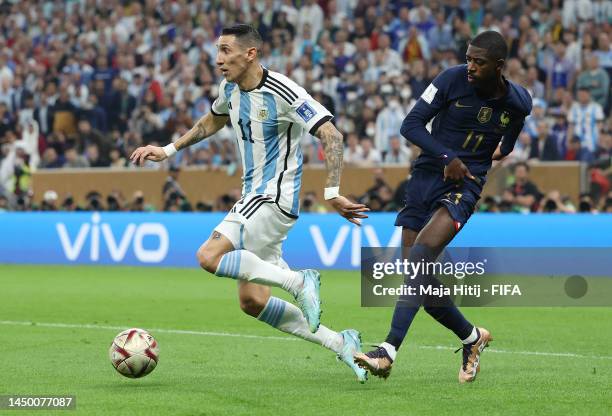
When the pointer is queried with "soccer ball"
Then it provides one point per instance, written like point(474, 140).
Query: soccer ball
point(134, 353)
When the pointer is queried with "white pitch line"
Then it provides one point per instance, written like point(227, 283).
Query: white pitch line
point(152, 330)
point(540, 353)
point(264, 337)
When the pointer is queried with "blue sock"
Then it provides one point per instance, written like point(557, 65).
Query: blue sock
point(402, 319)
point(452, 318)
point(406, 308)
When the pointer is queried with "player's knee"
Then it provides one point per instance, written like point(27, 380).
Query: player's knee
point(207, 259)
point(252, 304)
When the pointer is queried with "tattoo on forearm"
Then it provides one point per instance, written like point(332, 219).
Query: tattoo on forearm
point(333, 147)
point(196, 134)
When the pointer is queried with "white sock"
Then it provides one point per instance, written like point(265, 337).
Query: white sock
point(390, 350)
point(244, 265)
point(288, 318)
point(472, 338)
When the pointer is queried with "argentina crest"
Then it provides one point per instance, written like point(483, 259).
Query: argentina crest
point(262, 114)
point(484, 114)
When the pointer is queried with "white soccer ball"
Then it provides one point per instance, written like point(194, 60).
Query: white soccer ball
point(134, 353)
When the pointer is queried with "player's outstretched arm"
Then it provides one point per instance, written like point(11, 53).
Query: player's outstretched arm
point(333, 147)
point(206, 126)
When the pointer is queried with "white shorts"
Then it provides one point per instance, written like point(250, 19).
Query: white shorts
point(257, 224)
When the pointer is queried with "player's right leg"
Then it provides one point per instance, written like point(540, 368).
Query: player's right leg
point(255, 300)
point(380, 360)
point(217, 255)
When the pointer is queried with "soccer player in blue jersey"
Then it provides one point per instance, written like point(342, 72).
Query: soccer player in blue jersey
point(270, 113)
point(478, 115)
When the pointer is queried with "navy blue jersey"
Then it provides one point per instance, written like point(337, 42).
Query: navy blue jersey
point(465, 125)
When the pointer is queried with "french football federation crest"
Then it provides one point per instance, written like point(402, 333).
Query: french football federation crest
point(504, 120)
point(262, 114)
point(484, 114)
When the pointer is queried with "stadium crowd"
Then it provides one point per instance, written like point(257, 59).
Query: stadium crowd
point(85, 82)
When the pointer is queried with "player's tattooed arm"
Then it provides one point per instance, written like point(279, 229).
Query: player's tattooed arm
point(333, 147)
point(206, 126)
point(331, 139)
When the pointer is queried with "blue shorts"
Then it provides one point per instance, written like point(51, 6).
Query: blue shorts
point(427, 190)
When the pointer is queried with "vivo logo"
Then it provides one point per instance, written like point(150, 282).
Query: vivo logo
point(133, 235)
point(329, 256)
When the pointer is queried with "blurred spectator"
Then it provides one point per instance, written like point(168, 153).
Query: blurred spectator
point(123, 105)
point(524, 192)
point(533, 84)
point(69, 204)
point(74, 160)
point(138, 203)
point(116, 159)
point(370, 155)
point(604, 52)
point(554, 203)
point(310, 203)
point(92, 153)
point(585, 121)
point(4, 203)
point(538, 114)
point(49, 202)
point(64, 114)
point(115, 201)
point(94, 201)
point(596, 80)
point(586, 205)
point(398, 152)
point(50, 159)
point(353, 153)
point(389, 119)
point(559, 70)
point(544, 146)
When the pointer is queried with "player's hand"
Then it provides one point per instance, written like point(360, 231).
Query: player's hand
point(455, 171)
point(154, 153)
point(349, 210)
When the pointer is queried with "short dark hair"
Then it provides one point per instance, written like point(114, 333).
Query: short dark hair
point(523, 164)
point(493, 42)
point(245, 34)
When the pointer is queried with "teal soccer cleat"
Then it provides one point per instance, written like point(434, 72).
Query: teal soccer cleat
point(352, 346)
point(309, 299)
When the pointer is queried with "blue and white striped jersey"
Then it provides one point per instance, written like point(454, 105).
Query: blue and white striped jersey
point(269, 121)
point(585, 119)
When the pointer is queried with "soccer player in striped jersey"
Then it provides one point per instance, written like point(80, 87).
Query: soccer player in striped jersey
point(269, 113)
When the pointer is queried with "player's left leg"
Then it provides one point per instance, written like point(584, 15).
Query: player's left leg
point(454, 210)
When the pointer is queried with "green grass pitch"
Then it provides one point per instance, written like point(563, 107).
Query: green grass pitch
point(543, 361)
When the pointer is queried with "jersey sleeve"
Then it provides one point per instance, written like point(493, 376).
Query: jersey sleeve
point(433, 99)
point(307, 112)
point(524, 107)
point(220, 105)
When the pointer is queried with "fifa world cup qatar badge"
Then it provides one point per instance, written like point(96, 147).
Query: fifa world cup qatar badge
point(306, 112)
